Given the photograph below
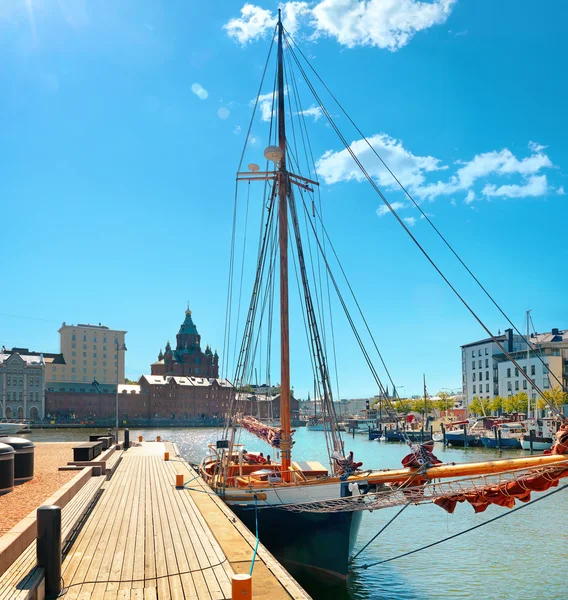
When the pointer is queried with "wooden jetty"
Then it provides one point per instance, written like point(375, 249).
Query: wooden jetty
point(143, 538)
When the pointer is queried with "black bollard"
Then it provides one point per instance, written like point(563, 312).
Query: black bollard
point(443, 434)
point(495, 434)
point(126, 439)
point(531, 438)
point(499, 438)
point(465, 436)
point(48, 548)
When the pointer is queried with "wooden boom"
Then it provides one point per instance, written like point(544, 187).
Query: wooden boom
point(492, 467)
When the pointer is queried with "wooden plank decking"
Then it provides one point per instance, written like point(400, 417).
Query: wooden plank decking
point(145, 539)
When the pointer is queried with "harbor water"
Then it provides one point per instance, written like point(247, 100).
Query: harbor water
point(521, 555)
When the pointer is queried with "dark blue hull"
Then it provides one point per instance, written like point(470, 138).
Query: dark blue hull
point(318, 542)
point(457, 439)
point(491, 442)
point(393, 435)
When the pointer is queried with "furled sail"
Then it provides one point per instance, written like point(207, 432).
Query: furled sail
point(271, 435)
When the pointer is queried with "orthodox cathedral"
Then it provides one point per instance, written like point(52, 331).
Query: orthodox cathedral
point(187, 360)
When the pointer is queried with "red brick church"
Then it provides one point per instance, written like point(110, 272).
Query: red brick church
point(187, 359)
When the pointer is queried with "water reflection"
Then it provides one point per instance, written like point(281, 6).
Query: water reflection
point(486, 563)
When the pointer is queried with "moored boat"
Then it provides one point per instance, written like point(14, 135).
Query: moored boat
point(505, 435)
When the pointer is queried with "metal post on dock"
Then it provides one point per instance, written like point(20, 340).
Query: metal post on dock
point(499, 438)
point(431, 432)
point(495, 434)
point(465, 436)
point(126, 439)
point(443, 434)
point(531, 439)
point(48, 548)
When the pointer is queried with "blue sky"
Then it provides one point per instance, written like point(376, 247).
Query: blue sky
point(123, 123)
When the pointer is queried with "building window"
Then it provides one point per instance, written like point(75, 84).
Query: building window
point(73, 337)
point(94, 355)
point(487, 363)
point(95, 339)
point(487, 387)
point(21, 381)
point(533, 370)
point(473, 364)
point(516, 385)
point(486, 351)
point(509, 388)
point(544, 369)
point(8, 380)
point(84, 346)
point(104, 355)
point(73, 353)
point(73, 345)
point(73, 370)
point(474, 389)
point(480, 363)
point(546, 382)
point(509, 372)
point(473, 377)
point(516, 372)
point(20, 396)
point(524, 384)
point(84, 338)
point(73, 361)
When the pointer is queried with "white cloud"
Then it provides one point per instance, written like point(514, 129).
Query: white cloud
point(384, 209)
point(253, 23)
point(237, 130)
point(560, 191)
point(314, 111)
point(416, 173)
point(387, 24)
point(265, 103)
point(410, 221)
point(535, 186)
point(534, 147)
point(199, 91)
point(409, 168)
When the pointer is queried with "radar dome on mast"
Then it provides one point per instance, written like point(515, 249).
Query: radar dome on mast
point(273, 154)
point(253, 167)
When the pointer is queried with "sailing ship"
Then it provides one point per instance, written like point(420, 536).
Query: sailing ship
point(309, 514)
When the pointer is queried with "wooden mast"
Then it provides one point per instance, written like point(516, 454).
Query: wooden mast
point(285, 445)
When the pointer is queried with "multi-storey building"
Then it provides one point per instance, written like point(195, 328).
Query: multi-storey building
point(91, 352)
point(22, 382)
point(487, 372)
point(183, 383)
point(187, 359)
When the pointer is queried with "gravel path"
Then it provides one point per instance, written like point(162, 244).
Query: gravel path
point(16, 505)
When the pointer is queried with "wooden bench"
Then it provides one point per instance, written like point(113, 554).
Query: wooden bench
point(22, 580)
point(87, 451)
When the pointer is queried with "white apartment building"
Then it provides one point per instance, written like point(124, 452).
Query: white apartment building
point(487, 372)
point(91, 352)
point(480, 377)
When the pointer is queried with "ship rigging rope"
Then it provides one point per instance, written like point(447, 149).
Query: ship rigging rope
point(228, 308)
point(374, 185)
point(419, 493)
point(423, 214)
point(455, 535)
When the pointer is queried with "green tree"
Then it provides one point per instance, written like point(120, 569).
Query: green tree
point(555, 396)
point(516, 404)
point(403, 405)
point(445, 402)
point(497, 405)
point(480, 406)
point(419, 406)
point(130, 381)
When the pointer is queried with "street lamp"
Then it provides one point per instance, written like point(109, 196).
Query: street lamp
point(118, 348)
